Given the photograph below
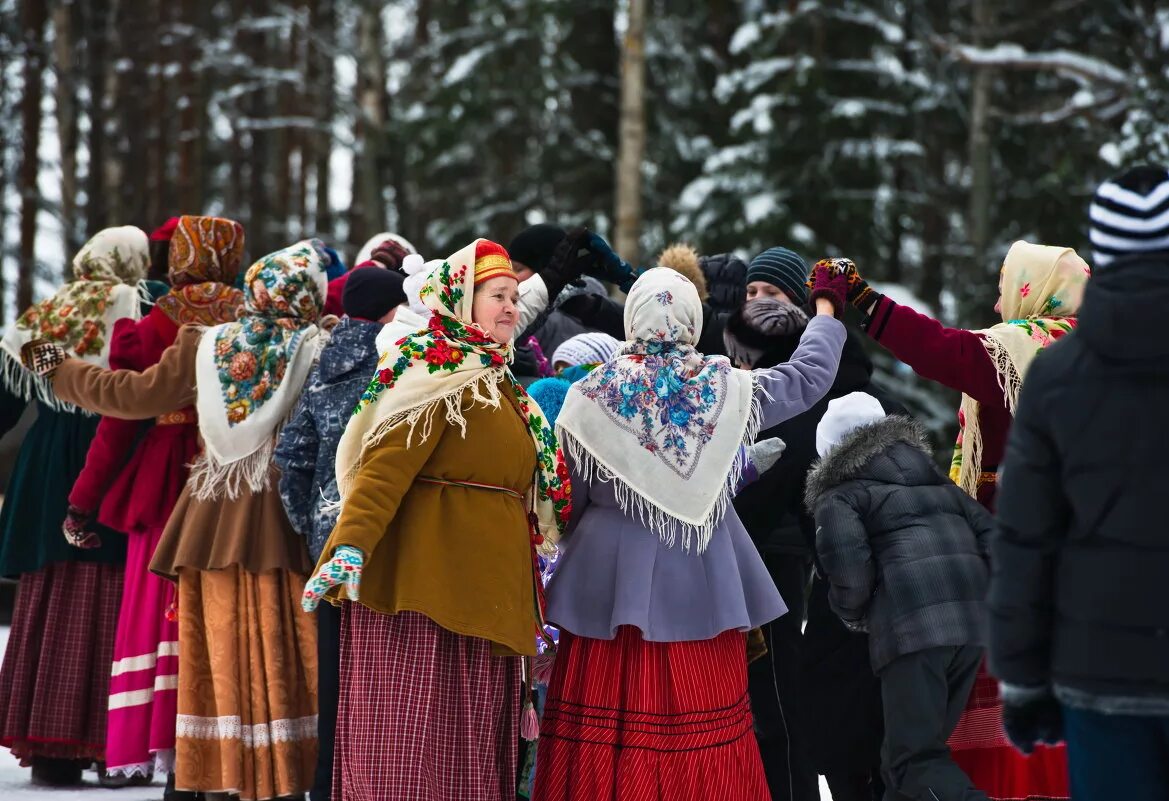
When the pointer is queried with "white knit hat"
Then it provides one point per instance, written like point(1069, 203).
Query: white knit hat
point(593, 347)
point(844, 416)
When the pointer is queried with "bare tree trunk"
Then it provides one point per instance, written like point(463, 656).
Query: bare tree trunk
point(9, 34)
point(981, 186)
point(32, 25)
point(631, 146)
point(368, 211)
point(96, 18)
point(188, 178)
point(320, 62)
point(65, 53)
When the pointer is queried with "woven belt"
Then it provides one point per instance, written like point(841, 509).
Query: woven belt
point(180, 418)
point(471, 485)
point(987, 477)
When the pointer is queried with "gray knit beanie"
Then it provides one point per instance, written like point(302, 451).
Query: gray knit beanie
point(782, 268)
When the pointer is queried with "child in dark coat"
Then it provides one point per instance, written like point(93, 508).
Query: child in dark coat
point(904, 552)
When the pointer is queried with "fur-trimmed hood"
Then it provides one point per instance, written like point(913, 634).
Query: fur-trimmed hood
point(858, 450)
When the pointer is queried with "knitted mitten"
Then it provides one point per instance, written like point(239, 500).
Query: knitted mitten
point(77, 529)
point(344, 569)
point(829, 282)
point(42, 357)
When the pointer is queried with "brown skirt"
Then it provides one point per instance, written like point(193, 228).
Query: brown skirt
point(247, 705)
point(54, 686)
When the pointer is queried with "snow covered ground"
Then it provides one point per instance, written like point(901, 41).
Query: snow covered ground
point(15, 786)
point(14, 780)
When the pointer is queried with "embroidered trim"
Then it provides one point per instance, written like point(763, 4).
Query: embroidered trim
point(260, 735)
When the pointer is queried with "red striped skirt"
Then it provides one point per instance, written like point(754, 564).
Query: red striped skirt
point(425, 714)
point(980, 747)
point(54, 686)
point(642, 721)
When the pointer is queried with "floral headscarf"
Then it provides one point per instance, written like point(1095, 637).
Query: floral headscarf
point(1042, 288)
point(428, 372)
point(205, 257)
point(660, 420)
point(250, 372)
point(80, 316)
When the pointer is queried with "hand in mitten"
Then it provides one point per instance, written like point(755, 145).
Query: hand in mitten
point(78, 529)
point(829, 282)
point(344, 569)
point(42, 357)
point(1030, 716)
point(611, 267)
point(766, 452)
point(568, 261)
point(390, 254)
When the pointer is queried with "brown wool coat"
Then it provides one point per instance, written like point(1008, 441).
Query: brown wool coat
point(251, 531)
point(458, 555)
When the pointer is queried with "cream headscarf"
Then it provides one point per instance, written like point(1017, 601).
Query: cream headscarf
point(432, 370)
point(1042, 288)
point(80, 317)
point(660, 420)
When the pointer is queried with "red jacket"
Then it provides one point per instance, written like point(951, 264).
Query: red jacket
point(135, 470)
point(957, 359)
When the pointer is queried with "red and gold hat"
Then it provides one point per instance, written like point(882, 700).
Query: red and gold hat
point(492, 261)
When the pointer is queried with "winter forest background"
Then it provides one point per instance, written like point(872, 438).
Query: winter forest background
point(919, 137)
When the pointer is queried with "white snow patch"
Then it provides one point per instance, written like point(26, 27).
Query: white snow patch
point(747, 35)
point(802, 234)
point(902, 296)
point(759, 207)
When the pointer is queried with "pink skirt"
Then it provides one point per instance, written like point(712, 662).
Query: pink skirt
point(424, 713)
point(54, 684)
point(145, 676)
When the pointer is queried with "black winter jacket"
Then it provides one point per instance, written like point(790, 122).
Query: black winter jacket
point(772, 508)
point(903, 549)
point(1081, 555)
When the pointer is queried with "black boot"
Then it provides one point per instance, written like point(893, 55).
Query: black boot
point(52, 772)
point(171, 794)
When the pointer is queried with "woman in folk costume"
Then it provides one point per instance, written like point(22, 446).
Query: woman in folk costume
point(450, 482)
point(1041, 288)
point(53, 685)
point(658, 582)
point(132, 479)
point(247, 667)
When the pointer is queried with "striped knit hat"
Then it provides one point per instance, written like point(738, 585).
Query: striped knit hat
point(593, 347)
point(782, 268)
point(1130, 214)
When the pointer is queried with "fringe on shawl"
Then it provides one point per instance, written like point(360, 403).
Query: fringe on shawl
point(1010, 382)
point(211, 479)
point(485, 391)
point(669, 528)
point(27, 385)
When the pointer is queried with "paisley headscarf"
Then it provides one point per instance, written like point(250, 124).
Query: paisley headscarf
point(428, 372)
point(660, 420)
point(80, 317)
point(205, 258)
point(1042, 287)
point(250, 372)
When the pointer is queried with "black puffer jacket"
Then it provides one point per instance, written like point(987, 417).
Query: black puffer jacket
point(772, 509)
point(903, 549)
point(1081, 556)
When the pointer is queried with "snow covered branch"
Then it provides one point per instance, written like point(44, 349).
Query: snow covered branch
point(1013, 56)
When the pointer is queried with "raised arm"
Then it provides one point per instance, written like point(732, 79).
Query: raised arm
point(165, 387)
point(951, 356)
point(793, 387)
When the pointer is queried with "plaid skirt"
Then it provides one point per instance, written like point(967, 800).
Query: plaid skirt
point(641, 721)
point(54, 685)
point(425, 714)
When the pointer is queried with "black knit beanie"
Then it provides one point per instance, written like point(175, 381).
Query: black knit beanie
point(533, 246)
point(761, 326)
point(370, 292)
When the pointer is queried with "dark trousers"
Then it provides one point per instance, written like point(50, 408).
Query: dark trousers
point(773, 683)
point(328, 696)
point(924, 694)
point(1113, 757)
